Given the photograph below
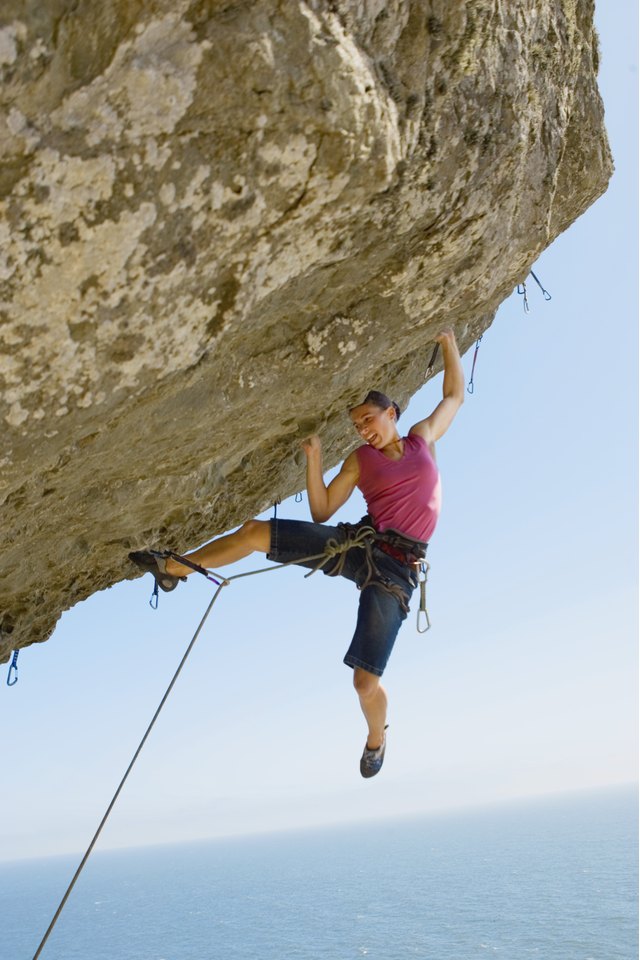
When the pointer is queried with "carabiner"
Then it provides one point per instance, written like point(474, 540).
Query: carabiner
point(521, 289)
point(13, 669)
point(473, 366)
point(432, 361)
point(155, 597)
point(545, 293)
point(422, 609)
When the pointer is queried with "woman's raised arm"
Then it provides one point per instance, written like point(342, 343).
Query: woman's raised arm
point(437, 423)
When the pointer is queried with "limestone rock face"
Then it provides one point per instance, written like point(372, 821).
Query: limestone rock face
point(223, 221)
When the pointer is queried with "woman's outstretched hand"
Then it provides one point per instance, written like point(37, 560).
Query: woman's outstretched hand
point(312, 446)
point(446, 336)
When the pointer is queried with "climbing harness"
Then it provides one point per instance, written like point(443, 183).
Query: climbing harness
point(432, 361)
point(521, 289)
point(276, 504)
point(360, 535)
point(13, 669)
point(473, 366)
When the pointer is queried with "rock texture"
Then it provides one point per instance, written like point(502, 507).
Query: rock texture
point(222, 221)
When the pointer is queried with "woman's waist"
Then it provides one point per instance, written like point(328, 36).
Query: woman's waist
point(401, 546)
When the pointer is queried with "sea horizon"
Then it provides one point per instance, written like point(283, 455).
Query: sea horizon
point(554, 877)
point(440, 812)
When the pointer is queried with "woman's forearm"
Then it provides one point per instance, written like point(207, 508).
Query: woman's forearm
point(453, 381)
point(316, 488)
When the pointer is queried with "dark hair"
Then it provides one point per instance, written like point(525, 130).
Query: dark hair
point(381, 400)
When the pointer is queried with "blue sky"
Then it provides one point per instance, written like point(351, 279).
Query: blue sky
point(526, 683)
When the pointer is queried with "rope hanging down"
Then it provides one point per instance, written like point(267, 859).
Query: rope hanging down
point(356, 537)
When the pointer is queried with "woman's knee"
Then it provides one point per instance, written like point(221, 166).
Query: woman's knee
point(257, 533)
point(366, 683)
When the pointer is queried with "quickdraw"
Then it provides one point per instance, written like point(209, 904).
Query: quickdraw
point(432, 362)
point(423, 613)
point(13, 669)
point(155, 597)
point(473, 366)
point(521, 290)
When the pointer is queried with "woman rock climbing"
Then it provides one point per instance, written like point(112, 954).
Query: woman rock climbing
point(399, 480)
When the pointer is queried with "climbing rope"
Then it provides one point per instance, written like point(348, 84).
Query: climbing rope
point(124, 779)
point(361, 537)
point(13, 669)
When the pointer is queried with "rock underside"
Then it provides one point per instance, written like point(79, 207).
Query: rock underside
point(223, 222)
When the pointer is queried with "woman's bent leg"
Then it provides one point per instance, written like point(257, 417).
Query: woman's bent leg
point(255, 535)
point(373, 703)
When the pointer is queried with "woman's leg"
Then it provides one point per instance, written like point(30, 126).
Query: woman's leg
point(255, 535)
point(373, 702)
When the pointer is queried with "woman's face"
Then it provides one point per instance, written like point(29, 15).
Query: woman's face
point(377, 427)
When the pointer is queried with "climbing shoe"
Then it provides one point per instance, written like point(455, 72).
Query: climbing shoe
point(155, 562)
point(371, 760)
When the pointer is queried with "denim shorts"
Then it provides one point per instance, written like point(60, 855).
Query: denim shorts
point(380, 614)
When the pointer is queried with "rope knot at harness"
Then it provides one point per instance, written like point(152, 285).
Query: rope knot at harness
point(365, 537)
point(362, 537)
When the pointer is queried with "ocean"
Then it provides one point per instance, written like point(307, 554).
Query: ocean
point(554, 879)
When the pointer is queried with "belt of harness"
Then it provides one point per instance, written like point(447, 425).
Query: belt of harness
point(415, 553)
point(364, 535)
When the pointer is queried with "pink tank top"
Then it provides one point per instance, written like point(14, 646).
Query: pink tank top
point(402, 494)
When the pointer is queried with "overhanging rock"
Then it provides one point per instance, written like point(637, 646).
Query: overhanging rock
point(222, 222)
